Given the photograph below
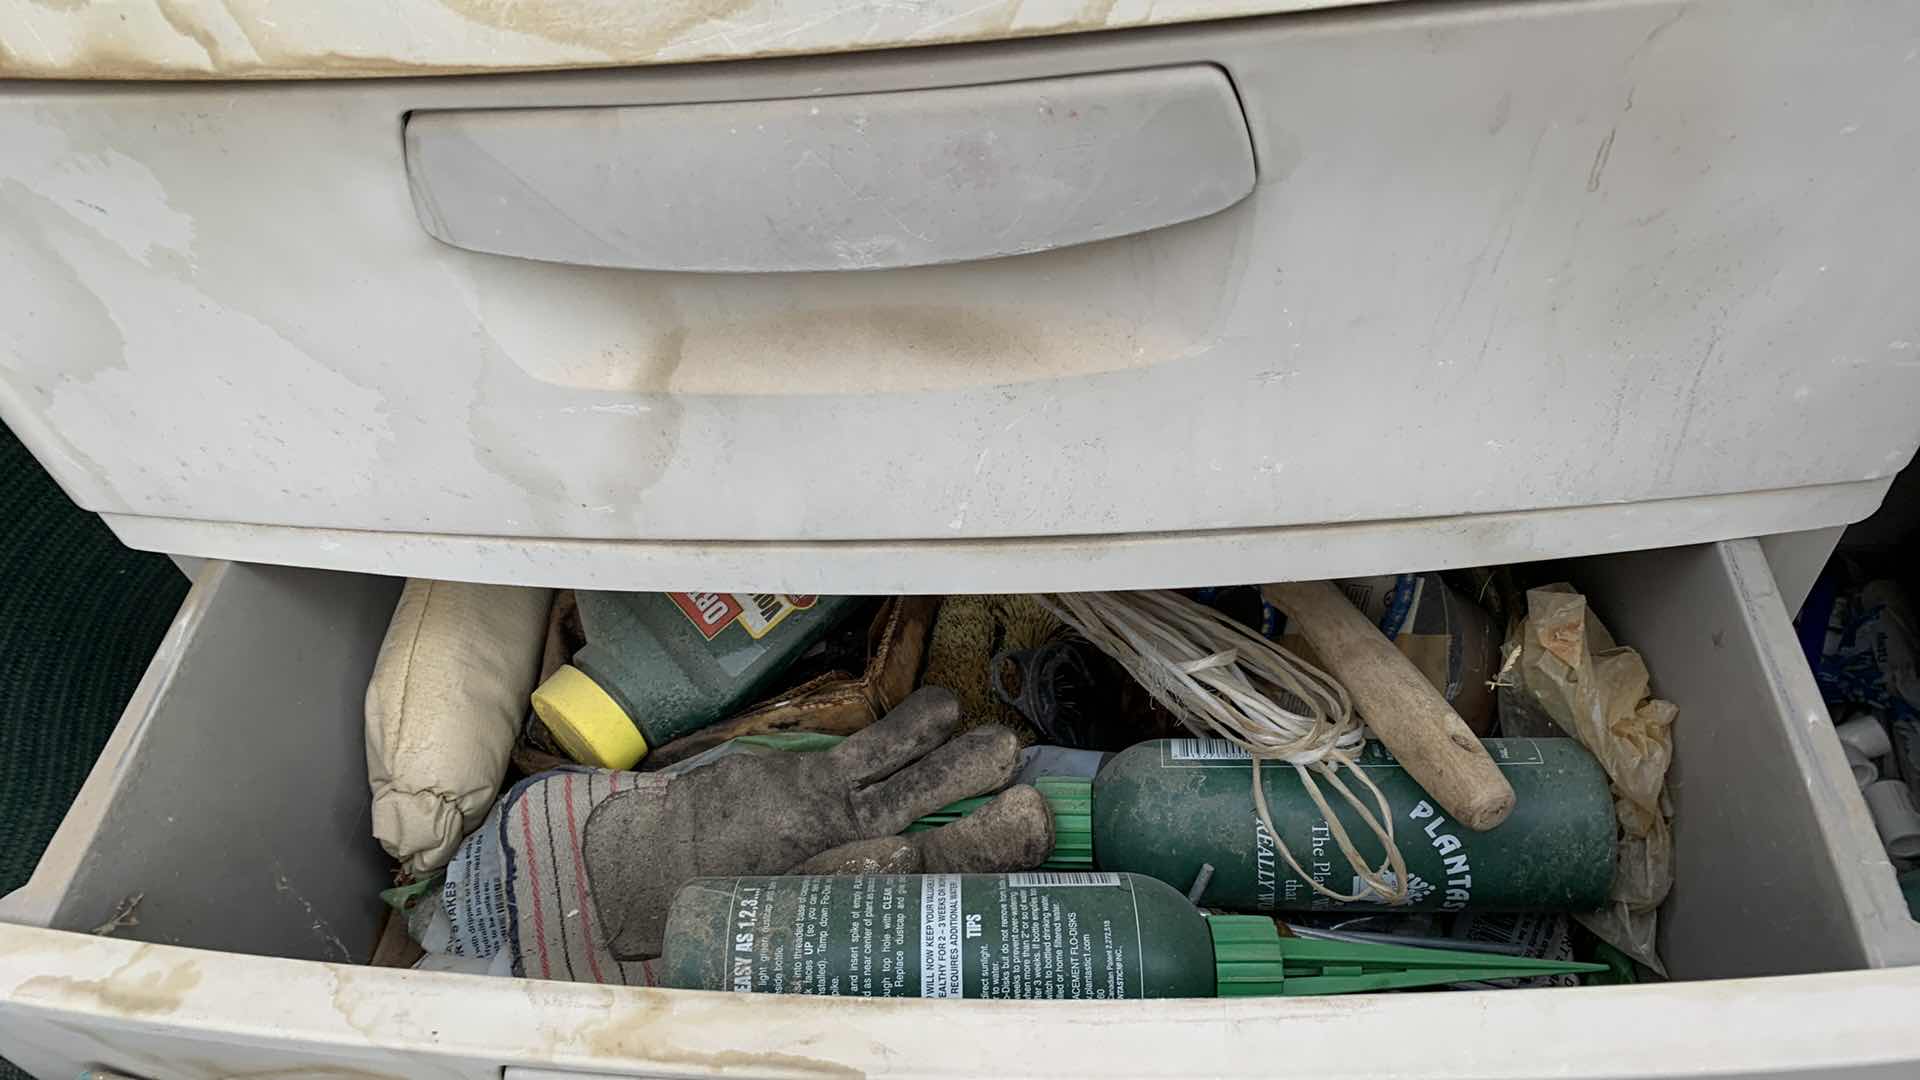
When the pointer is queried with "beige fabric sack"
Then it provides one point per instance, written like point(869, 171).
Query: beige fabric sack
point(447, 696)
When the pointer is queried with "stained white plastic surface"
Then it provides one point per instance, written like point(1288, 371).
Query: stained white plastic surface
point(1498, 260)
point(1153, 560)
point(253, 39)
point(846, 182)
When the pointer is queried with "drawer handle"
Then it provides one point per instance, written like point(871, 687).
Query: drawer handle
point(854, 182)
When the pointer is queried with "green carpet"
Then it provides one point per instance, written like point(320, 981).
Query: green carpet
point(80, 615)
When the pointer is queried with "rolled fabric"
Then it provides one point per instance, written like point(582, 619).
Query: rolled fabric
point(448, 693)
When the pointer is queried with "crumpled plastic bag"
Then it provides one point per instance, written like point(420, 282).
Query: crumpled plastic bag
point(1563, 665)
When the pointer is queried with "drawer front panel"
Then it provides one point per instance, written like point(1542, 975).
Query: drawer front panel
point(1495, 259)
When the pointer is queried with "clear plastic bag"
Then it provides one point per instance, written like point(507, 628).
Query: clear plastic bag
point(1562, 665)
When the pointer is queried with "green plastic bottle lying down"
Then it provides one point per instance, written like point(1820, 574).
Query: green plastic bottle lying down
point(1024, 936)
point(1170, 807)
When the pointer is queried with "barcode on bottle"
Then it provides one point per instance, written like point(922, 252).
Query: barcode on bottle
point(761, 612)
point(1044, 878)
point(1206, 750)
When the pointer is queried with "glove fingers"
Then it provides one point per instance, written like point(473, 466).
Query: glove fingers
point(879, 855)
point(901, 737)
point(979, 761)
point(1013, 832)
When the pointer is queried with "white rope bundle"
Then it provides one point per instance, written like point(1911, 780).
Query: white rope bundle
point(1222, 679)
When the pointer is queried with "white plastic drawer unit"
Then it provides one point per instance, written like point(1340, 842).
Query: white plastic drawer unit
point(1324, 293)
point(232, 800)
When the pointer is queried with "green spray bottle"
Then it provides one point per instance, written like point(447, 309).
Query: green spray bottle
point(1023, 936)
point(1171, 807)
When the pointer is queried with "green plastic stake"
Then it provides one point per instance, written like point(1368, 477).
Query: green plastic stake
point(1349, 967)
point(1070, 799)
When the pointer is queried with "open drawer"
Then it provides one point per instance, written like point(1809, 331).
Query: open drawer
point(232, 800)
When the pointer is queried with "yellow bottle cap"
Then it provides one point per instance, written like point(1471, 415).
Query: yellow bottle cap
point(588, 724)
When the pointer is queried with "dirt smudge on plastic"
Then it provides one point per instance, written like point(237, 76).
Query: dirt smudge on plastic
point(124, 991)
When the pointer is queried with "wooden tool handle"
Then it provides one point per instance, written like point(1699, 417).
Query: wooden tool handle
point(1401, 707)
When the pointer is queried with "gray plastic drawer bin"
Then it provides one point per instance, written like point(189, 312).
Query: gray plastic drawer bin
point(233, 800)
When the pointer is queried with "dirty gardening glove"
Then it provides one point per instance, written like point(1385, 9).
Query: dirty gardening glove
point(521, 884)
point(772, 813)
point(1014, 831)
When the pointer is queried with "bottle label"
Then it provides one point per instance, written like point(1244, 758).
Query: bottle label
point(1051, 935)
point(474, 895)
point(1184, 750)
point(1067, 880)
point(755, 613)
point(1202, 753)
point(1168, 808)
point(1439, 854)
point(940, 927)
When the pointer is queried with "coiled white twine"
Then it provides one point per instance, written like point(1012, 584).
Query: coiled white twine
point(1224, 680)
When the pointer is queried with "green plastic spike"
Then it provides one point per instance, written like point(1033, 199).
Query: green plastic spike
point(1347, 967)
point(1071, 800)
point(1251, 959)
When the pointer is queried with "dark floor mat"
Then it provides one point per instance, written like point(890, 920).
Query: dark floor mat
point(80, 615)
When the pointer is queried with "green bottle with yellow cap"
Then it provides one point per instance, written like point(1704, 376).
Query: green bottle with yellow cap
point(1025, 936)
point(656, 666)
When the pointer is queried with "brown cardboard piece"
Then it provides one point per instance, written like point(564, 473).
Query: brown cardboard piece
point(1451, 639)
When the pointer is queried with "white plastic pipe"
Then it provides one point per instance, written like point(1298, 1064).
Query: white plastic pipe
point(1891, 805)
point(1865, 733)
point(1865, 771)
